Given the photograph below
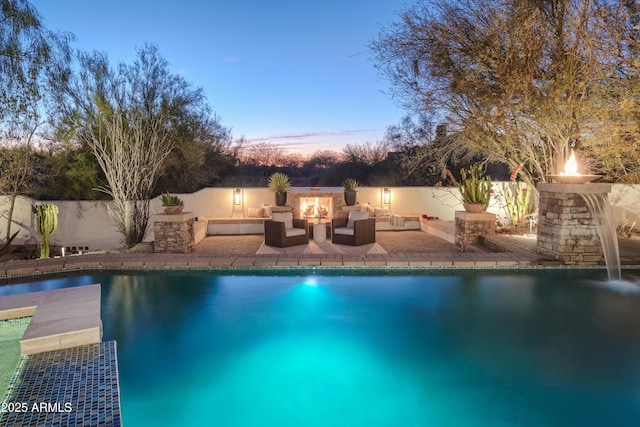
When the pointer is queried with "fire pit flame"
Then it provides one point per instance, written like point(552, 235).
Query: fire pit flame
point(570, 175)
point(571, 166)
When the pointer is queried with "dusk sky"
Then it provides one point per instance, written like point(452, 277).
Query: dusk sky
point(296, 73)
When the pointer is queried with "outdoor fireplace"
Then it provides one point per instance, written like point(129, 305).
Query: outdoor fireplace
point(315, 207)
point(316, 204)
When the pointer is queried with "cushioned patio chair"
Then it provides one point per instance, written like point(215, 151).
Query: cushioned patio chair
point(284, 231)
point(355, 230)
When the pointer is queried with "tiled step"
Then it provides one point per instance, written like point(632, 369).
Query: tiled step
point(71, 387)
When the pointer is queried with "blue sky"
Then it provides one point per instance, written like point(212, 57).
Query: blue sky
point(296, 73)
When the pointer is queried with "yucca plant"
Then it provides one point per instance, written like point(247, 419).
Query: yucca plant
point(279, 183)
point(46, 225)
point(474, 186)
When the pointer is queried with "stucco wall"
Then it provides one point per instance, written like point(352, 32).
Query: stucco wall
point(80, 223)
point(86, 223)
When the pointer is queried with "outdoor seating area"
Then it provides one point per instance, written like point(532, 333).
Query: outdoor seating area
point(355, 230)
point(283, 230)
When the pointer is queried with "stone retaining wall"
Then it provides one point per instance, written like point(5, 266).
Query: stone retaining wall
point(470, 226)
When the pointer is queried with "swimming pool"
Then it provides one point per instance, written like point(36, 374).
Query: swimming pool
point(552, 348)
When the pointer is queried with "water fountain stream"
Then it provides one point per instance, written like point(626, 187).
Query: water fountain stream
point(602, 211)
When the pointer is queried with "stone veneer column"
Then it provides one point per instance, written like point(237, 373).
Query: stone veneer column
point(471, 225)
point(567, 231)
point(174, 233)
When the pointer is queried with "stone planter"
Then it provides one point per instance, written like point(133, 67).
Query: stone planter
point(474, 207)
point(173, 210)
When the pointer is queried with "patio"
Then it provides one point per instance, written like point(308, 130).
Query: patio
point(405, 249)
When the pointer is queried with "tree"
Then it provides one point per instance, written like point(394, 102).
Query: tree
point(367, 153)
point(68, 172)
point(418, 154)
point(208, 151)
point(131, 117)
point(29, 54)
point(363, 162)
point(264, 154)
point(520, 82)
point(27, 51)
point(321, 160)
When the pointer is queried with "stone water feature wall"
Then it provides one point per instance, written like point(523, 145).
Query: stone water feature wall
point(174, 233)
point(567, 231)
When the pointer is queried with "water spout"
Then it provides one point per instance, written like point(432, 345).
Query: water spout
point(602, 211)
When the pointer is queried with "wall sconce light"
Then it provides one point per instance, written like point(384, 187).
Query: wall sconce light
point(237, 196)
point(386, 196)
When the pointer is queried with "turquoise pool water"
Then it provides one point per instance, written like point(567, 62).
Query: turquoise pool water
point(550, 348)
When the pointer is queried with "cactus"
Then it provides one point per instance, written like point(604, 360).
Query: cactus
point(517, 200)
point(474, 187)
point(46, 225)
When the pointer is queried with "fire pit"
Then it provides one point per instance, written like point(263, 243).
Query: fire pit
point(575, 221)
point(571, 174)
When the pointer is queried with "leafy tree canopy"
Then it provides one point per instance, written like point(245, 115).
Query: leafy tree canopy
point(522, 82)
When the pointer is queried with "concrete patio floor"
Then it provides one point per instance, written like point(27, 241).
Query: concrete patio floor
point(405, 249)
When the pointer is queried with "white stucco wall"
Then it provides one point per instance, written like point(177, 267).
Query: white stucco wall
point(87, 223)
point(625, 200)
point(80, 223)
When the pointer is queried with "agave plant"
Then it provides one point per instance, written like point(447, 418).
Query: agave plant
point(169, 200)
point(474, 186)
point(350, 184)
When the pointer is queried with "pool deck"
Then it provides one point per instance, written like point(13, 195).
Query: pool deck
point(405, 250)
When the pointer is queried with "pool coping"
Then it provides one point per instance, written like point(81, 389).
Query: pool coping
point(60, 318)
point(401, 261)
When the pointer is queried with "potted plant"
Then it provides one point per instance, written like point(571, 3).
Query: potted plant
point(173, 205)
point(279, 184)
point(475, 189)
point(350, 188)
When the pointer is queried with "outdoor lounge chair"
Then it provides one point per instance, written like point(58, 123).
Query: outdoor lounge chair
point(355, 230)
point(284, 231)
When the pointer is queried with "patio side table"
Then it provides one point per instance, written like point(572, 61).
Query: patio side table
point(320, 233)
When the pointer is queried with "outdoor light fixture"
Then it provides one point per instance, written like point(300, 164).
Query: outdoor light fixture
point(386, 196)
point(237, 196)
